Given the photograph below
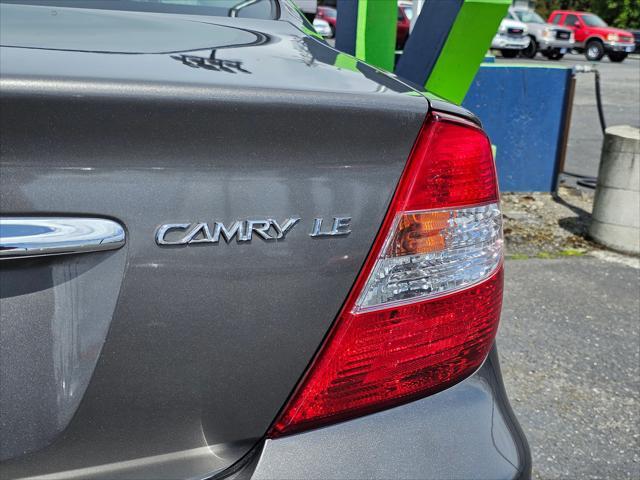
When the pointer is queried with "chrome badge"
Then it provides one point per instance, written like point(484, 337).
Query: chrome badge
point(244, 230)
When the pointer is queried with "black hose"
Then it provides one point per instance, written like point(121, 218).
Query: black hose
point(586, 180)
point(599, 102)
point(583, 180)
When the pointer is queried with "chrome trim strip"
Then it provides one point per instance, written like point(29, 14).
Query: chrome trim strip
point(36, 236)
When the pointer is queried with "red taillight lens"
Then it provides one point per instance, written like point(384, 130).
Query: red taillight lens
point(452, 166)
point(424, 310)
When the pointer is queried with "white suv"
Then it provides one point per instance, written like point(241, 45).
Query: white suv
point(511, 39)
point(550, 40)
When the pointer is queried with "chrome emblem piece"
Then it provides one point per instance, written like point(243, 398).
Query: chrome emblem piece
point(243, 230)
point(340, 227)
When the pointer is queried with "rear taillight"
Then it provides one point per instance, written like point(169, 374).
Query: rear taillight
point(423, 313)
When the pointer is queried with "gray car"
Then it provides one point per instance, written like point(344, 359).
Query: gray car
point(228, 250)
point(550, 40)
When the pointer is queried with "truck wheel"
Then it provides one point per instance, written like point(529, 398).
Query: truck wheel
point(617, 56)
point(594, 51)
point(555, 54)
point(509, 53)
point(531, 50)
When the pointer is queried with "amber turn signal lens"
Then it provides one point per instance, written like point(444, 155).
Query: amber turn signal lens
point(419, 233)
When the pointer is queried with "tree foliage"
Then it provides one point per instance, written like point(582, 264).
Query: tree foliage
point(617, 13)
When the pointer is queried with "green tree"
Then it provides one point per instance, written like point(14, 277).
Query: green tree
point(627, 13)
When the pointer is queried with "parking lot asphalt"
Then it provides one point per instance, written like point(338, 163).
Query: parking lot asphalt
point(570, 352)
point(620, 87)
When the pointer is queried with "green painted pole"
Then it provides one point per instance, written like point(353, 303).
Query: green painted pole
point(376, 32)
point(468, 41)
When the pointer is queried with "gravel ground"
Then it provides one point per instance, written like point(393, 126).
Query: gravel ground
point(570, 347)
point(538, 224)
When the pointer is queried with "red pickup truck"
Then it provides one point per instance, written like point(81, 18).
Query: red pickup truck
point(594, 37)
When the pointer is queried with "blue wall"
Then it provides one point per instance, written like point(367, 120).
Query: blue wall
point(522, 109)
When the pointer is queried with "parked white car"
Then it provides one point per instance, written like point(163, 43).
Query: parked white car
point(511, 39)
point(322, 27)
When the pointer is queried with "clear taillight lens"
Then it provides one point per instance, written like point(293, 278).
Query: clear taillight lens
point(433, 253)
point(424, 310)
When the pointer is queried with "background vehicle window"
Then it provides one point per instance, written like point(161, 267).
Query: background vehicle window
point(593, 21)
point(572, 20)
point(263, 9)
point(329, 12)
point(529, 17)
point(556, 19)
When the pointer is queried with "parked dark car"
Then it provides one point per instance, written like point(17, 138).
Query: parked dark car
point(636, 39)
point(594, 37)
point(230, 251)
